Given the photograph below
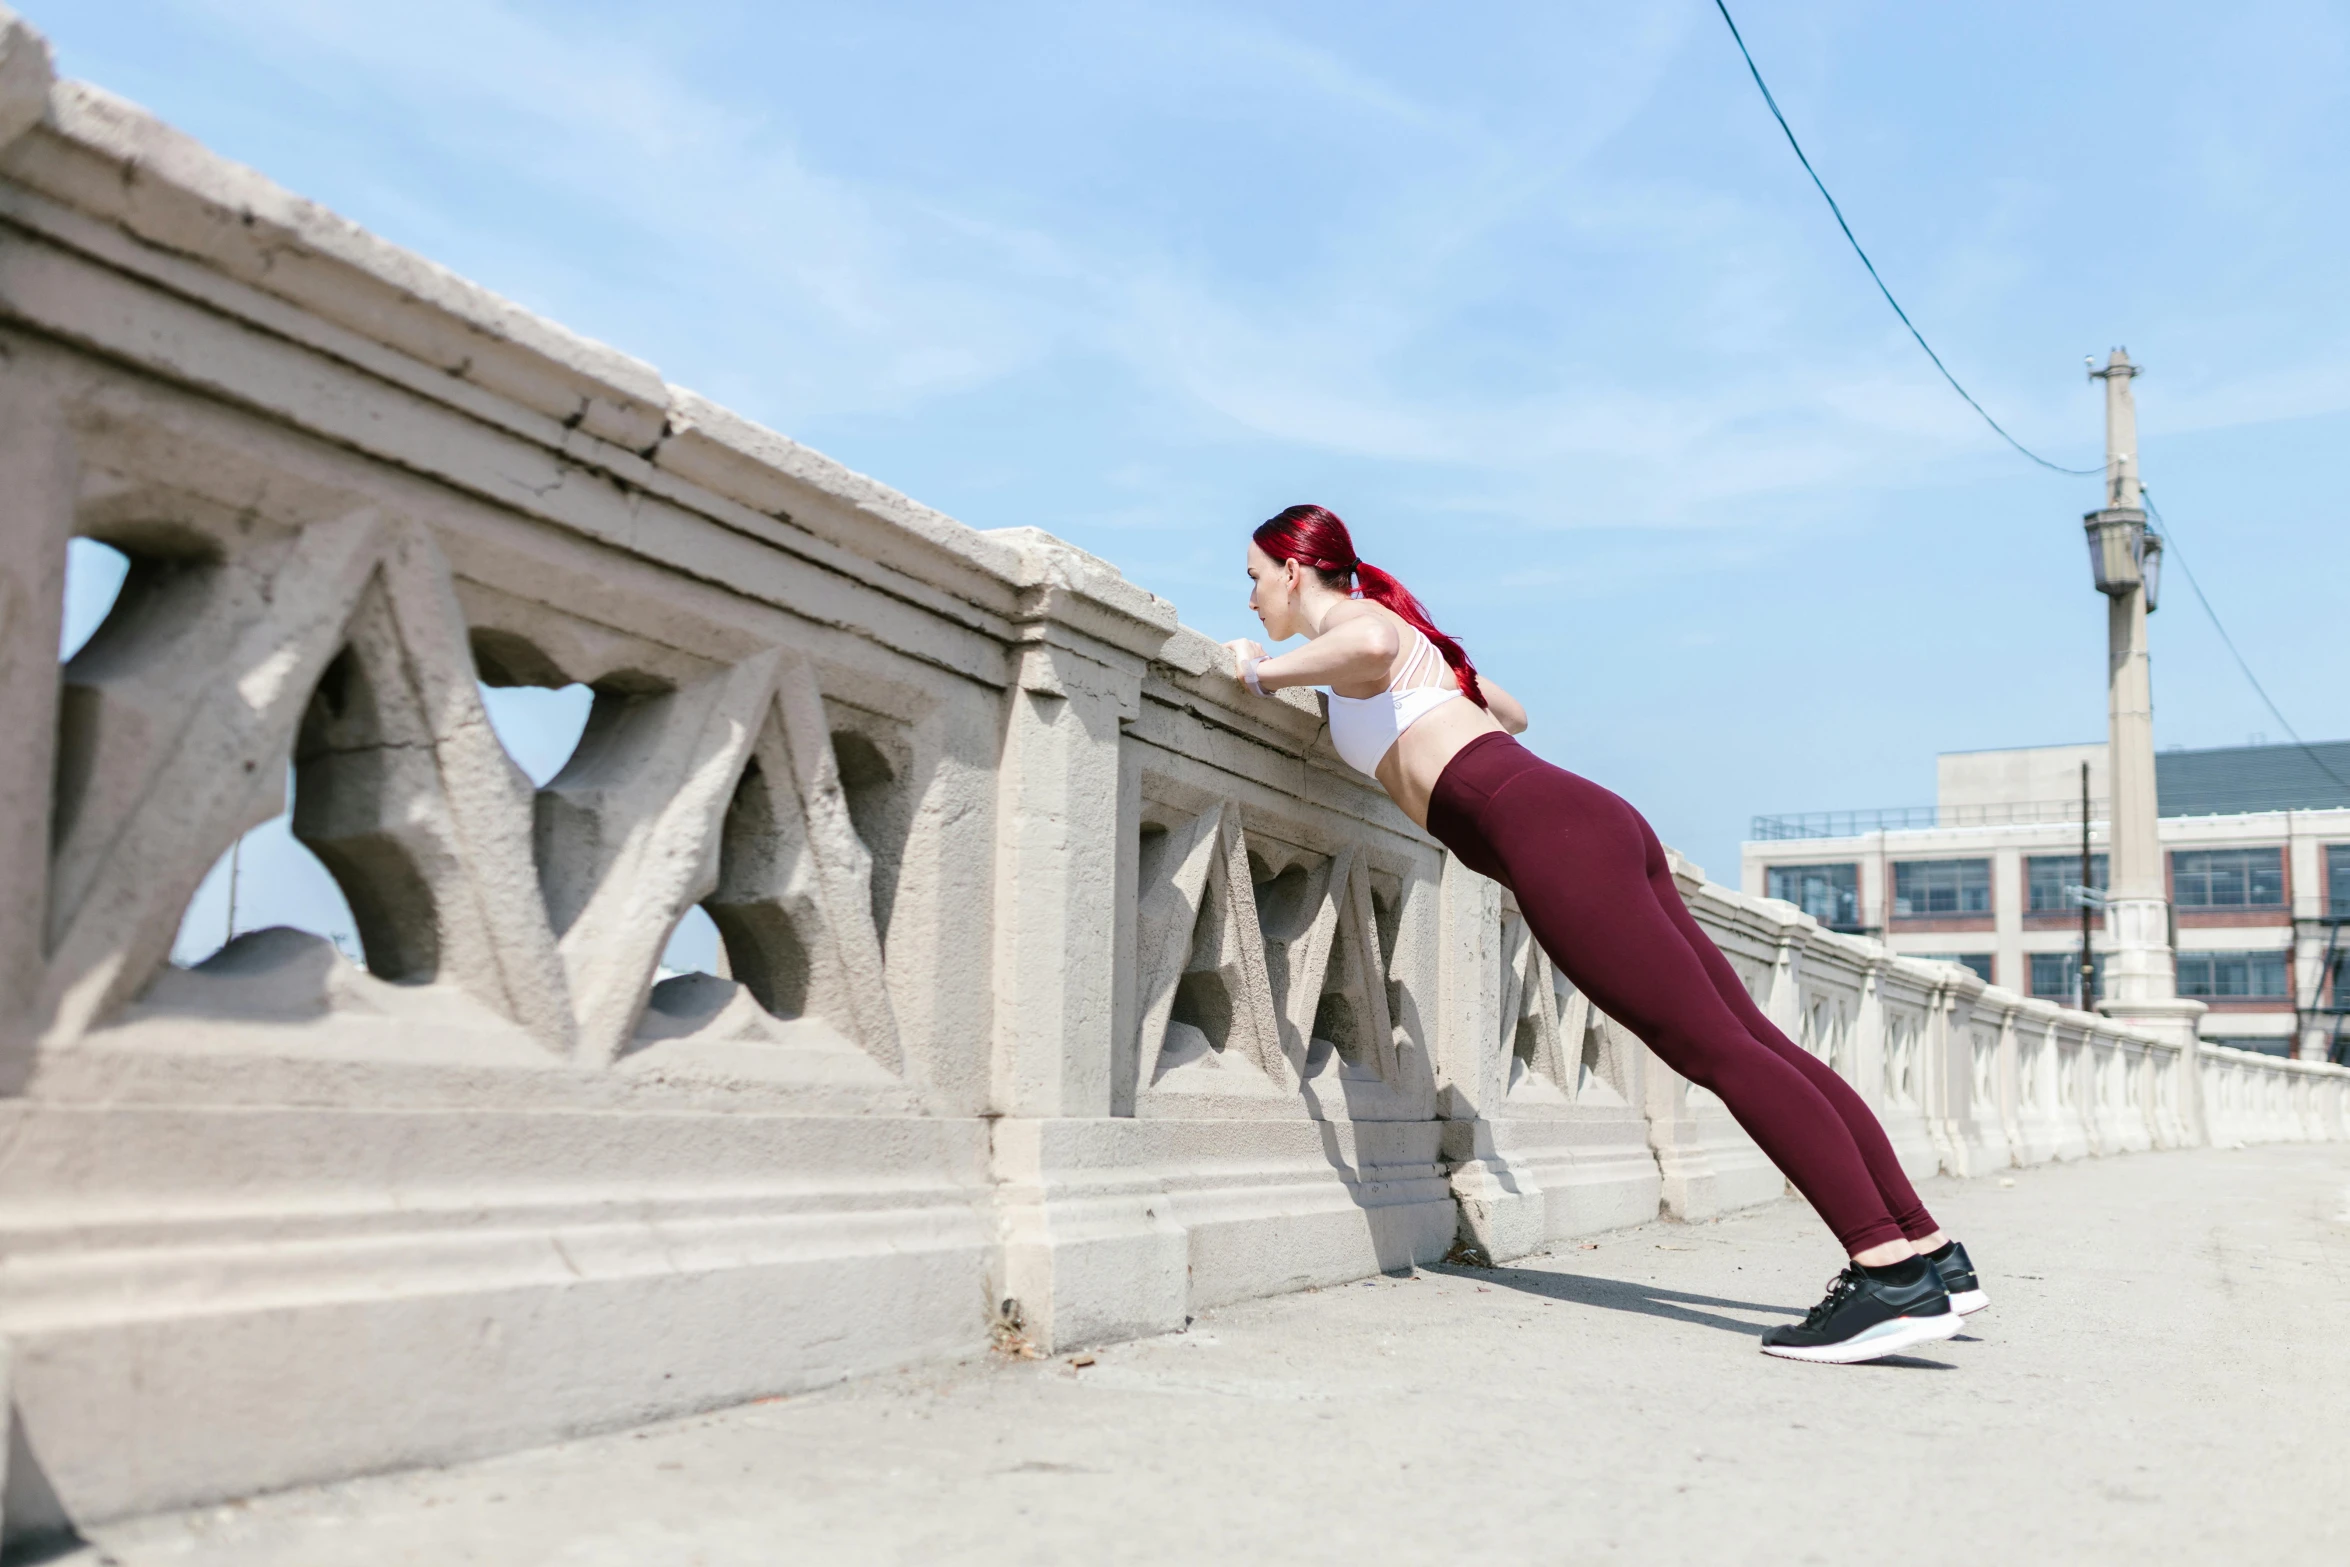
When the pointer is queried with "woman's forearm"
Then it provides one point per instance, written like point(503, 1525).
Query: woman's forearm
point(1359, 651)
point(1506, 709)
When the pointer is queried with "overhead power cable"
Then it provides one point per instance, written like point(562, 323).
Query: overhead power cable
point(2170, 543)
point(1773, 104)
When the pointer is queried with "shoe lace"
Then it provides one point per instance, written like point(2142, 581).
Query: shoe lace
point(1841, 1288)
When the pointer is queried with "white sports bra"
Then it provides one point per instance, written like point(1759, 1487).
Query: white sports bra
point(1365, 728)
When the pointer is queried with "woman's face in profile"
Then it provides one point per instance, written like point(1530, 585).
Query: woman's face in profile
point(1273, 594)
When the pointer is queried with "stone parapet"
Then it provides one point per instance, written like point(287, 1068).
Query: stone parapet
point(1068, 988)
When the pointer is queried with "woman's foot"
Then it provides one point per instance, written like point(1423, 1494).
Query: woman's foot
point(1957, 1273)
point(1869, 1315)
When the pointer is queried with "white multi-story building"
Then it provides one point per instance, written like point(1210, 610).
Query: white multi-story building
point(2256, 841)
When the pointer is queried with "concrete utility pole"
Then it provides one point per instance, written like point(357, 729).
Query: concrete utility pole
point(2141, 981)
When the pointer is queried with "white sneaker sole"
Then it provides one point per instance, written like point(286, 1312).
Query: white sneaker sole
point(1967, 1302)
point(1886, 1338)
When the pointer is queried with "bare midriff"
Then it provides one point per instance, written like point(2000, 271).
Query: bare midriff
point(1409, 770)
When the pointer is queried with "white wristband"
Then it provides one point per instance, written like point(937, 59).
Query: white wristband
point(1248, 674)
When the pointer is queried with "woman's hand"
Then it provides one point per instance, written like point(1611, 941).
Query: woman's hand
point(1247, 655)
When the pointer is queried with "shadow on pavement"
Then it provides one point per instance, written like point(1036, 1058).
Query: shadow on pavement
point(1647, 1300)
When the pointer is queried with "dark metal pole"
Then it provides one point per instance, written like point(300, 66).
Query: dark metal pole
point(2088, 959)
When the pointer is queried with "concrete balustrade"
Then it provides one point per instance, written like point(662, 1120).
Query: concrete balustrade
point(1068, 988)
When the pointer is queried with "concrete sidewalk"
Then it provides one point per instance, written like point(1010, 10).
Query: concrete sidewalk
point(2164, 1376)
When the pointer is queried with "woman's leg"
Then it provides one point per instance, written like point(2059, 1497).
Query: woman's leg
point(1578, 858)
point(1868, 1133)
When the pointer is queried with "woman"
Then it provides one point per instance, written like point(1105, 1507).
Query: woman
point(1407, 707)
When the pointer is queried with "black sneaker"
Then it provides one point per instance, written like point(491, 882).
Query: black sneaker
point(1865, 1318)
point(1957, 1273)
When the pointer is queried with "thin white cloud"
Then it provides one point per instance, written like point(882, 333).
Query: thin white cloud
point(720, 193)
point(841, 294)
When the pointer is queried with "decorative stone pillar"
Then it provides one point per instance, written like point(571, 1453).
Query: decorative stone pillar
point(1502, 1208)
point(1468, 1010)
point(1870, 1046)
point(36, 517)
point(1783, 1004)
point(1057, 870)
point(1691, 1188)
point(37, 484)
point(1090, 1249)
point(2009, 1079)
point(1946, 1084)
point(1947, 1073)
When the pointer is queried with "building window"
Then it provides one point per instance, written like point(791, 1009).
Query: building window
point(2338, 879)
point(2232, 974)
point(1828, 893)
point(2056, 976)
point(2046, 876)
point(2228, 878)
point(1980, 962)
point(1923, 887)
point(2261, 1044)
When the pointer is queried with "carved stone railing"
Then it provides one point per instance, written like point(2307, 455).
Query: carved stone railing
point(1065, 989)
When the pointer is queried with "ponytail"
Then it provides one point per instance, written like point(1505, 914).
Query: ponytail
point(1315, 538)
point(1380, 588)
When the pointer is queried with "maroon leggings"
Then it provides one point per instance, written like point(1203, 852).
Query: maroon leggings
point(1590, 878)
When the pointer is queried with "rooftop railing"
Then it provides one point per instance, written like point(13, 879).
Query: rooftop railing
point(1897, 818)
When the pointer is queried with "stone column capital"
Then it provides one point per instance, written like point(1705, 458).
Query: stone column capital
point(1070, 598)
point(25, 76)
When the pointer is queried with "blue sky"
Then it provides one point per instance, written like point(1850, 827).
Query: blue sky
point(1534, 295)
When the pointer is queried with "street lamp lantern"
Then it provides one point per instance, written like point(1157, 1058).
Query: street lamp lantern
point(2117, 551)
point(2124, 554)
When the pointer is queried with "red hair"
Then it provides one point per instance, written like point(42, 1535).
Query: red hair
point(1315, 538)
